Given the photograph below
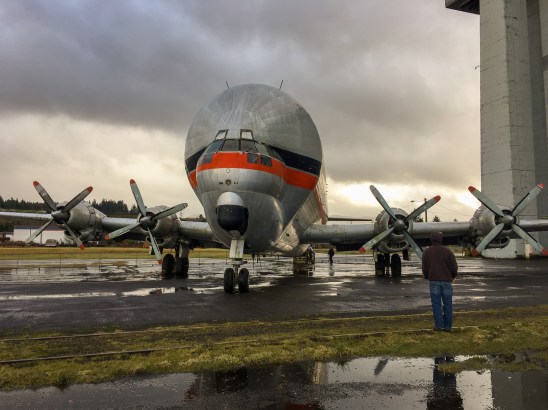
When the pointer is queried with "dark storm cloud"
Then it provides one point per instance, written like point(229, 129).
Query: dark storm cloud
point(390, 85)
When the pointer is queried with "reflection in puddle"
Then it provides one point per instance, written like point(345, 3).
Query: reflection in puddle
point(360, 383)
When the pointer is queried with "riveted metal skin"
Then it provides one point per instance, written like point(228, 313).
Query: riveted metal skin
point(279, 178)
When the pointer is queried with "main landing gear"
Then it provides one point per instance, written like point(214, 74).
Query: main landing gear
point(236, 274)
point(385, 264)
point(176, 266)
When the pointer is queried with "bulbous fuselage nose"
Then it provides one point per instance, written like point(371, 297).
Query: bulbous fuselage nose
point(232, 214)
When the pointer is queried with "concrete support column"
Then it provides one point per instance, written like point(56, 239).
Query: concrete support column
point(507, 145)
point(537, 16)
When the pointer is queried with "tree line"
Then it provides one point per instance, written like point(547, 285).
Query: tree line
point(107, 206)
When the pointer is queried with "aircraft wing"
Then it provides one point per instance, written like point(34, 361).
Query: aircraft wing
point(353, 236)
point(492, 226)
point(24, 217)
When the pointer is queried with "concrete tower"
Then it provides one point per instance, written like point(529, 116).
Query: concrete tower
point(514, 104)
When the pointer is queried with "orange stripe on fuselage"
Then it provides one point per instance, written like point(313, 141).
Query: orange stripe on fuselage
point(239, 160)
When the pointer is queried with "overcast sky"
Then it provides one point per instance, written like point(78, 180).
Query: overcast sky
point(96, 93)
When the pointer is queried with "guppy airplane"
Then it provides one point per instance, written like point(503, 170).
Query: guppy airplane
point(254, 159)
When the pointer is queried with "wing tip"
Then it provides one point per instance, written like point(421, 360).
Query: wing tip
point(437, 198)
point(107, 237)
point(361, 250)
point(541, 185)
point(472, 189)
point(544, 252)
point(35, 183)
point(475, 253)
point(82, 247)
point(89, 189)
point(160, 261)
point(132, 181)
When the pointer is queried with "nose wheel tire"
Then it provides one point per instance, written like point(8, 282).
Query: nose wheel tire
point(229, 280)
point(243, 280)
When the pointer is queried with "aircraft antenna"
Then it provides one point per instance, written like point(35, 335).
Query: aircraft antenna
point(227, 86)
point(281, 85)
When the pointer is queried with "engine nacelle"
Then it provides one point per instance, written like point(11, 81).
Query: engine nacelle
point(165, 230)
point(395, 242)
point(483, 221)
point(84, 220)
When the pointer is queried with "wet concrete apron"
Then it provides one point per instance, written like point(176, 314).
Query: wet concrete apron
point(126, 295)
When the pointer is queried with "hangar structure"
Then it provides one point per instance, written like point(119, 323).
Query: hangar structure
point(514, 104)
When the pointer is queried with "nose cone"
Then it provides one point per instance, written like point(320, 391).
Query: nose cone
point(232, 214)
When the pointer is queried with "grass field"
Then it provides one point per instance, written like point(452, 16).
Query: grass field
point(510, 339)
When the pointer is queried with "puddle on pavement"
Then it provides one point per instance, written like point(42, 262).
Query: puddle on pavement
point(360, 383)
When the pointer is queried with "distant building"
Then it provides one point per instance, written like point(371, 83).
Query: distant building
point(21, 233)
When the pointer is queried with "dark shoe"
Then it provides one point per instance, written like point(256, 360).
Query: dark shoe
point(447, 330)
point(438, 329)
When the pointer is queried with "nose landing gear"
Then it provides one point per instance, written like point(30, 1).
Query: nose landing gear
point(235, 275)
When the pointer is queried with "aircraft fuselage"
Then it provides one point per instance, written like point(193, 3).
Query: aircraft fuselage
point(254, 159)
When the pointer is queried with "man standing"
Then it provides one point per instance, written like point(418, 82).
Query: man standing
point(439, 266)
point(331, 253)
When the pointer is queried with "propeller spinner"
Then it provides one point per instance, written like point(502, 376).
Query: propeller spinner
point(59, 214)
point(398, 226)
point(508, 220)
point(147, 222)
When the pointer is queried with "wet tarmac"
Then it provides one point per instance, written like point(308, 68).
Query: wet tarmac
point(367, 383)
point(78, 295)
point(75, 296)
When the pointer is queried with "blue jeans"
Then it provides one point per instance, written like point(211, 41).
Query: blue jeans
point(442, 292)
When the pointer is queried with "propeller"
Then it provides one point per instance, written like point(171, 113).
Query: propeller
point(59, 214)
point(507, 220)
point(398, 226)
point(147, 222)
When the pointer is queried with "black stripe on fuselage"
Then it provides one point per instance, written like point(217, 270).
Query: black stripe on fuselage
point(192, 161)
point(290, 159)
point(298, 161)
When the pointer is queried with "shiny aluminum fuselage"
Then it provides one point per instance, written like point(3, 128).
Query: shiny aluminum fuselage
point(255, 147)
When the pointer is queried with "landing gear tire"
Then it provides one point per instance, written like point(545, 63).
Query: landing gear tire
point(243, 281)
point(395, 265)
point(181, 268)
point(380, 265)
point(168, 266)
point(229, 280)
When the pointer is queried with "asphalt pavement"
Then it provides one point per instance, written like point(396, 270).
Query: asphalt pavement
point(81, 298)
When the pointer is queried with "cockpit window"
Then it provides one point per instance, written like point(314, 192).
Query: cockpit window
point(231, 145)
point(246, 134)
point(262, 149)
point(214, 147)
point(248, 146)
point(221, 135)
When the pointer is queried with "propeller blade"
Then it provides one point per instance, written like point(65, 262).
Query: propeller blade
point(170, 211)
point(77, 199)
point(45, 196)
point(527, 199)
point(76, 240)
point(138, 197)
point(38, 231)
point(525, 236)
point(488, 238)
point(424, 207)
point(381, 200)
point(485, 200)
point(413, 244)
point(371, 243)
point(155, 247)
point(121, 231)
